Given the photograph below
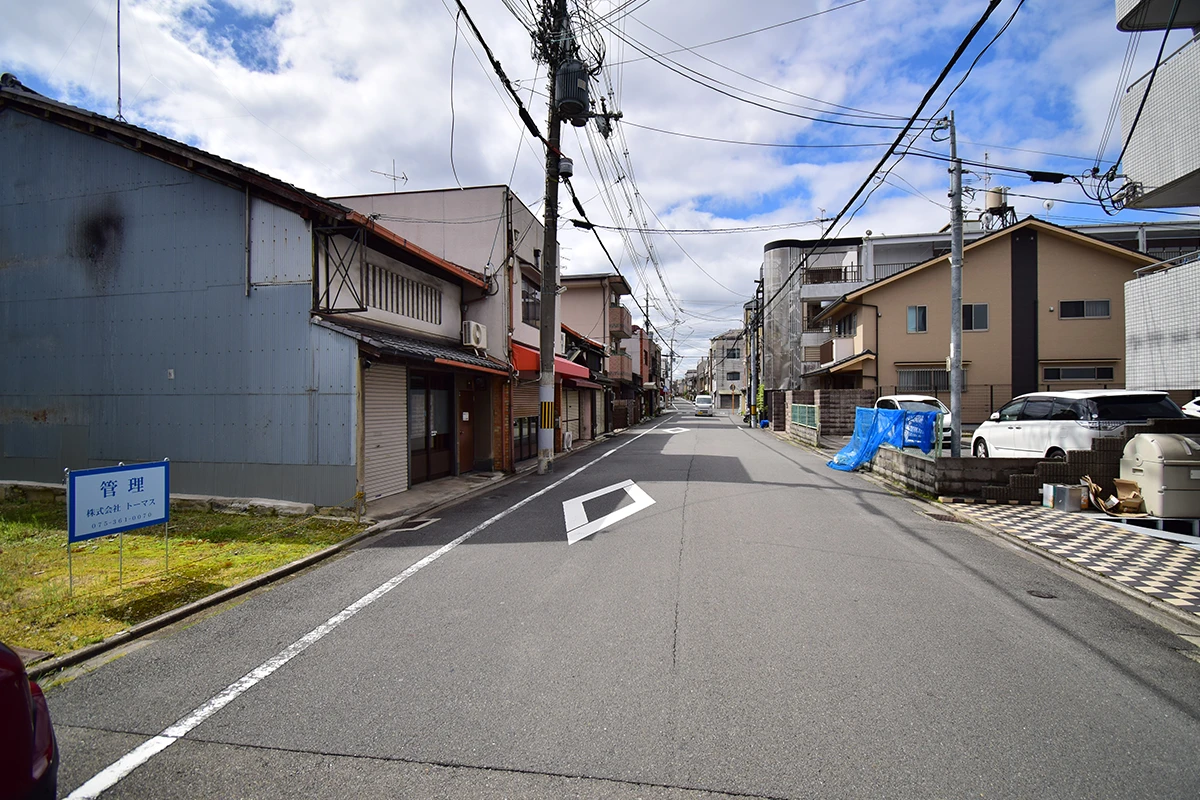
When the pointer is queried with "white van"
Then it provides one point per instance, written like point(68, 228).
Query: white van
point(1048, 424)
point(704, 405)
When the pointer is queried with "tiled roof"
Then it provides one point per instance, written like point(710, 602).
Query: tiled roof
point(397, 344)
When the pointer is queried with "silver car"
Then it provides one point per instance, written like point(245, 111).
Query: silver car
point(920, 402)
point(704, 405)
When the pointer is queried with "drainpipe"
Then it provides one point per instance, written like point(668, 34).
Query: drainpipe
point(247, 240)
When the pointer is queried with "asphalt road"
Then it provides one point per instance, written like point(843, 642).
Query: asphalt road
point(767, 627)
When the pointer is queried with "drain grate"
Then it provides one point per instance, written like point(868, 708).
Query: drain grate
point(1060, 534)
point(943, 517)
point(1041, 594)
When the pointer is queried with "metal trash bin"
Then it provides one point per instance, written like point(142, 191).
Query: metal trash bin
point(1166, 467)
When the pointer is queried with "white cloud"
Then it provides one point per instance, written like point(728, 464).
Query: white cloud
point(321, 95)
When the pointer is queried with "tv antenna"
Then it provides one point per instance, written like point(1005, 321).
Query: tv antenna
point(392, 175)
point(120, 118)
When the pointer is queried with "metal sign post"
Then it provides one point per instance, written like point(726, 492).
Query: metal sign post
point(109, 500)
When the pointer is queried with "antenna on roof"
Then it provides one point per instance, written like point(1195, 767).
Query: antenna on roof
point(392, 175)
point(119, 117)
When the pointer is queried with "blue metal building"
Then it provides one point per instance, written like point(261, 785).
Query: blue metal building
point(157, 301)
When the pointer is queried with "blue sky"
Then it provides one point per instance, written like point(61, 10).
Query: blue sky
point(325, 96)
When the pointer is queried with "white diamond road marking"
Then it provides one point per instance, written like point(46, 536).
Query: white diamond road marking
point(675, 430)
point(578, 525)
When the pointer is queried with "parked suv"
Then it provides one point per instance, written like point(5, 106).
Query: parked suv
point(1048, 424)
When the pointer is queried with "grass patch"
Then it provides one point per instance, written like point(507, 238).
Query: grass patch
point(209, 551)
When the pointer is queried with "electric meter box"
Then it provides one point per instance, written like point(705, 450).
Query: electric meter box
point(1166, 467)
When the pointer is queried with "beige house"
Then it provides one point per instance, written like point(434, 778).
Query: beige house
point(1043, 309)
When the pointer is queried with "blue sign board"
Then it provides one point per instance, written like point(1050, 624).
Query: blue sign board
point(110, 500)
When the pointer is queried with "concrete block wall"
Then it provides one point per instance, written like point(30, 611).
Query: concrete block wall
point(955, 477)
point(780, 411)
point(800, 433)
point(837, 408)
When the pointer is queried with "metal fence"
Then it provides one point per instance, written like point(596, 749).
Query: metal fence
point(980, 400)
point(805, 416)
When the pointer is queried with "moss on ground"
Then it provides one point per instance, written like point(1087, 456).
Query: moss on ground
point(119, 581)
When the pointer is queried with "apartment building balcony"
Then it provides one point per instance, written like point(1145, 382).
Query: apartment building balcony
point(814, 327)
point(620, 322)
point(849, 274)
point(888, 269)
point(620, 366)
point(1162, 157)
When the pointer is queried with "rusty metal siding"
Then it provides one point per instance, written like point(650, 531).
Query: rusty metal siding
point(116, 268)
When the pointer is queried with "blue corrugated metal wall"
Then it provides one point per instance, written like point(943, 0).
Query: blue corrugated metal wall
point(116, 268)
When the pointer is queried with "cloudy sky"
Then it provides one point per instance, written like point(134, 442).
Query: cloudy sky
point(761, 117)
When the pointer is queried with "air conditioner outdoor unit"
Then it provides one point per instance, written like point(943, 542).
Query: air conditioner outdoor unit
point(474, 334)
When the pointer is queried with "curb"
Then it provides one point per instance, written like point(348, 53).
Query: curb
point(40, 669)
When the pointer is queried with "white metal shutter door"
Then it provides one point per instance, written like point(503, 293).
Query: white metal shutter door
point(571, 401)
point(385, 419)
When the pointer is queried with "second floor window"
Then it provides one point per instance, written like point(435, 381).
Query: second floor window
point(531, 303)
point(733, 352)
point(975, 316)
point(401, 295)
point(846, 326)
point(917, 319)
point(1083, 309)
point(733, 376)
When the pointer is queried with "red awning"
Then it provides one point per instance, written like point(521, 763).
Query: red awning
point(526, 359)
point(580, 383)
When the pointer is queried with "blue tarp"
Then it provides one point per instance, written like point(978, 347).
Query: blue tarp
point(877, 426)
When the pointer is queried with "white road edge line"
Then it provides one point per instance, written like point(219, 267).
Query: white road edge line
point(110, 775)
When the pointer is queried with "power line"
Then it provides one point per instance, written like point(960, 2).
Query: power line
point(700, 78)
point(700, 231)
point(912, 120)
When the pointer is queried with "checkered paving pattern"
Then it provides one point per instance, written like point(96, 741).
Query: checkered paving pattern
point(1162, 569)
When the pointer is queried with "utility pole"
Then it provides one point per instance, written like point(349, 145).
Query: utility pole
point(755, 322)
point(554, 47)
point(956, 259)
